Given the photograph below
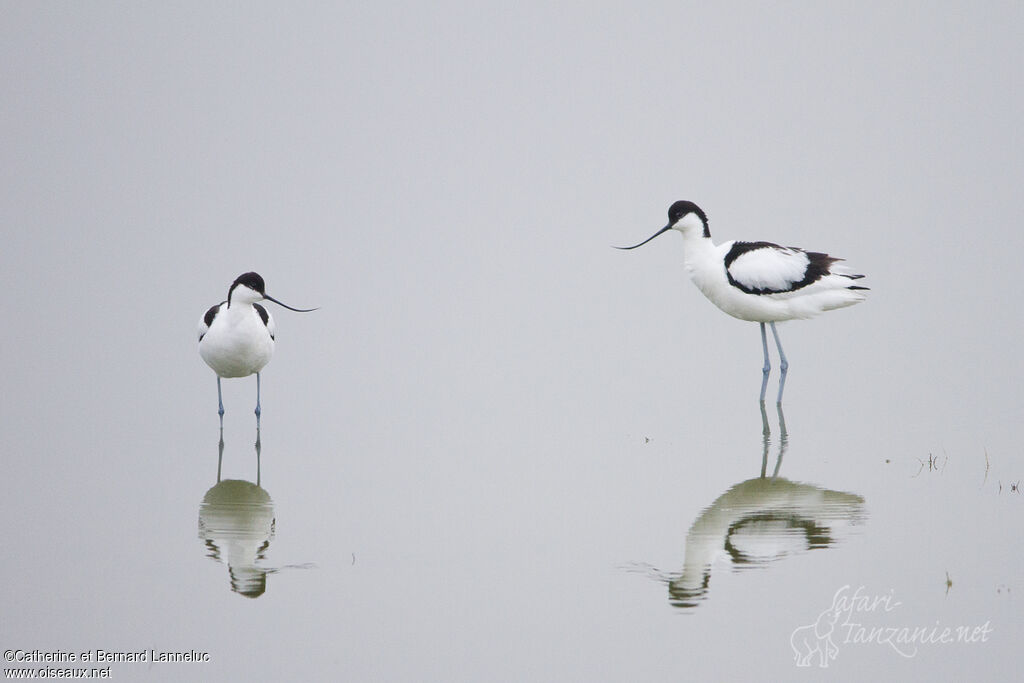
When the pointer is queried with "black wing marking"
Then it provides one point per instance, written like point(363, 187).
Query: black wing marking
point(797, 268)
point(818, 267)
point(740, 248)
point(854, 277)
point(208, 318)
point(264, 316)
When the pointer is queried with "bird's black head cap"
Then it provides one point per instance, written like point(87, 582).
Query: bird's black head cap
point(253, 281)
point(683, 207)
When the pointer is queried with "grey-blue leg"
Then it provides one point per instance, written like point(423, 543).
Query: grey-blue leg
point(783, 440)
point(783, 363)
point(220, 404)
point(258, 449)
point(220, 453)
point(257, 400)
point(767, 364)
point(766, 440)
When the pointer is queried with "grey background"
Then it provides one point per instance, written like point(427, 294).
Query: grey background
point(509, 426)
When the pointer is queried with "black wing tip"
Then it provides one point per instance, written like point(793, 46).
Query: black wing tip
point(855, 276)
point(822, 260)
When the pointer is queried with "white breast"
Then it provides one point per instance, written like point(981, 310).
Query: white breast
point(237, 343)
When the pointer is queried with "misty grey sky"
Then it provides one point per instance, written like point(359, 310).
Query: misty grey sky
point(451, 176)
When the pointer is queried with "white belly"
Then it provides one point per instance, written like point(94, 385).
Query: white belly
point(237, 346)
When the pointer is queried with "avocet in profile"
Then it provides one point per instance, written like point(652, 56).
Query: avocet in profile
point(760, 282)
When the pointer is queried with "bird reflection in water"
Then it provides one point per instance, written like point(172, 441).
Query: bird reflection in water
point(236, 522)
point(758, 522)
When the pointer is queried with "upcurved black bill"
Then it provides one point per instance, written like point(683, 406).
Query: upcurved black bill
point(667, 227)
point(300, 310)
